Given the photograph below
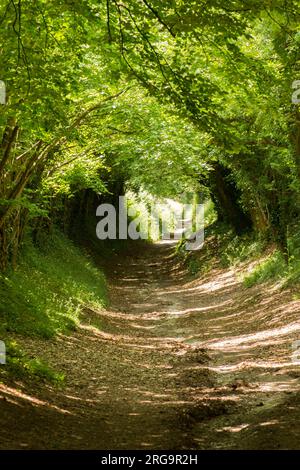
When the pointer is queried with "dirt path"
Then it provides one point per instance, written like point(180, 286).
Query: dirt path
point(173, 364)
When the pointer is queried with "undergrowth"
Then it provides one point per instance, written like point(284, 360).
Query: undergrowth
point(44, 295)
point(20, 365)
point(223, 248)
point(272, 268)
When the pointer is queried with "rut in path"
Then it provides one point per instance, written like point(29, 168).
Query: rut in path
point(174, 363)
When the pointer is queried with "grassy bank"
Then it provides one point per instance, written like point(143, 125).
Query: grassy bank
point(43, 297)
point(225, 249)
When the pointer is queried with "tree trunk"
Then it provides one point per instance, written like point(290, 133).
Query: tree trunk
point(225, 196)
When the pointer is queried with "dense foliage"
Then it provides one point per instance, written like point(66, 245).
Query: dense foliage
point(169, 96)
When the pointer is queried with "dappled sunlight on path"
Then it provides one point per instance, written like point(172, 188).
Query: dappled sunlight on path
point(173, 363)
